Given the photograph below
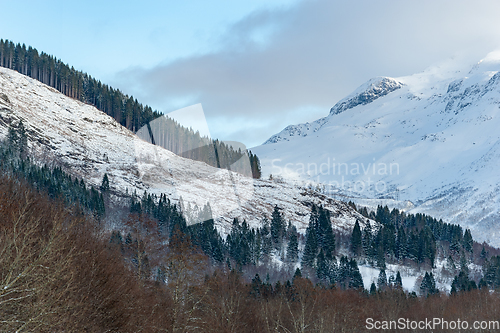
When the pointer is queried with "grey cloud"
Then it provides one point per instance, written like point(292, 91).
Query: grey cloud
point(315, 54)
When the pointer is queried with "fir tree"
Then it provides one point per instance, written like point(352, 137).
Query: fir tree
point(297, 274)
point(105, 183)
point(468, 242)
point(428, 285)
point(382, 280)
point(484, 254)
point(461, 282)
point(356, 280)
point(277, 226)
point(322, 266)
point(356, 240)
point(311, 247)
point(292, 251)
point(398, 283)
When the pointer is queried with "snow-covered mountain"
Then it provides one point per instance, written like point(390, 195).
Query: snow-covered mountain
point(87, 143)
point(429, 142)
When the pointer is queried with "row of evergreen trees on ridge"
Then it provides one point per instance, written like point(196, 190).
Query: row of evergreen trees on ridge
point(123, 108)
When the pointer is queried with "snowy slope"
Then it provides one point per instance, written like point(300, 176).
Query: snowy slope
point(88, 143)
point(431, 138)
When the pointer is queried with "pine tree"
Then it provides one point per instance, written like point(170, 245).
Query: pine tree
point(356, 240)
point(356, 280)
point(277, 226)
point(468, 242)
point(292, 251)
point(382, 280)
point(428, 285)
point(105, 183)
point(297, 274)
point(373, 289)
point(461, 282)
point(322, 266)
point(484, 254)
point(398, 283)
point(311, 247)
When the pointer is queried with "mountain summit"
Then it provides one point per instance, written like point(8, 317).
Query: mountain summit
point(431, 139)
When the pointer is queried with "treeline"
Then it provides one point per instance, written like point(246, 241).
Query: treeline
point(76, 84)
point(123, 108)
point(404, 236)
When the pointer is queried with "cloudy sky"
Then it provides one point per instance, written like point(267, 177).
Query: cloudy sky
point(255, 66)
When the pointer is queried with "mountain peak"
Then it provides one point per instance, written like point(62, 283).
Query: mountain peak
point(367, 93)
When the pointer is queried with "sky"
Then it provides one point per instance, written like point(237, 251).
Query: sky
point(254, 66)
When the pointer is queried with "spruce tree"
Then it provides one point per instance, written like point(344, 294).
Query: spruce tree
point(356, 280)
point(428, 285)
point(322, 266)
point(23, 139)
point(461, 282)
point(277, 226)
point(324, 232)
point(105, 183)
point(398, 283)
point(484, 254)
point(367, 242)
point(356, 240)
point(292, 251)
point(297, 274)
point(382, 280)
point(468, 242)
point(311, 247)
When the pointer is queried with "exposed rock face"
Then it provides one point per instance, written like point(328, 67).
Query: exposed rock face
point(371, 91)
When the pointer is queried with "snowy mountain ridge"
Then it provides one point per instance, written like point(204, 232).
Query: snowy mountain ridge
point(430, 138)
point(367, 93)
point(87, 143)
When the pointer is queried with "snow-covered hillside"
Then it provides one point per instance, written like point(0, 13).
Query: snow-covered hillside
point(431, 138)
point(88, 143)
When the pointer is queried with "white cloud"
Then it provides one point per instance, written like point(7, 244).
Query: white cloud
point(274, 64)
